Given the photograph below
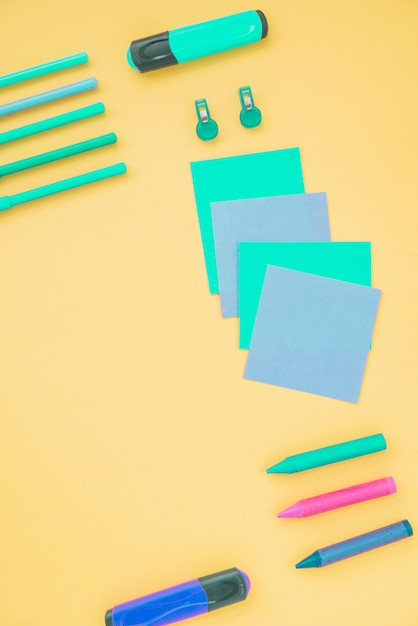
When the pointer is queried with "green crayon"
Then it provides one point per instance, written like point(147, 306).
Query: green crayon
point(330, 454)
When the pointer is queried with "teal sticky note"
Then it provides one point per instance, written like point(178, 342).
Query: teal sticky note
point(348, 261)
point(261, 174)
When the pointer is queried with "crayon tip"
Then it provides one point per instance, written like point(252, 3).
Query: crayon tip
point(293, 511)
point(279, 468)
point(313, 560)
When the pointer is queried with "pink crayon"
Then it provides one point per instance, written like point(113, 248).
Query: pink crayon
point(340, 498)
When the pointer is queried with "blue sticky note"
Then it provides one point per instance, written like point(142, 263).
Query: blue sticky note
point(312, 333)
point(299, 217)
point(254, 175)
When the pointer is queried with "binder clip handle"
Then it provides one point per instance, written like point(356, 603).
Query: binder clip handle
point(250, 115)
point(206, 128)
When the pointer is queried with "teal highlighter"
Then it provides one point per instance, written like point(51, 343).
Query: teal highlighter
point(196, 41)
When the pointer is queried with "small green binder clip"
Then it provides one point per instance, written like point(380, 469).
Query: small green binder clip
point(250, 115)
point(206, 128)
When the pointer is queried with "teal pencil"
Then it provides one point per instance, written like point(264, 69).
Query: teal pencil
point(43, 69)
point(330, 454)
point(52, 122)
point(7, 202)
point(55, 155)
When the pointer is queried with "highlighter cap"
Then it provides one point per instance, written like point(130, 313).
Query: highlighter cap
point(225, 588)
point(151, 53)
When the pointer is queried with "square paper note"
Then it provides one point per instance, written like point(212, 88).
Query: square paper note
point(312, 333)
point(344, 260)
point(244, 176)
point(300, 217)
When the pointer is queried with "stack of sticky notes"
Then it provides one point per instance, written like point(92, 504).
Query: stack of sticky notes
point(305, 304)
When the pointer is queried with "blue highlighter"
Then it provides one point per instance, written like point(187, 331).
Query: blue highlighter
point(196, 41)
point(189, 599)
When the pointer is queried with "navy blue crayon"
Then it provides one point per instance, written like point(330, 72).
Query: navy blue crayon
point(357, 545)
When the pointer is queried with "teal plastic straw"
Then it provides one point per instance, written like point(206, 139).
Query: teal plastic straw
point(52, 122)
point(48, 96)
point(46, 68)
point(7, 202)
point(56, 155)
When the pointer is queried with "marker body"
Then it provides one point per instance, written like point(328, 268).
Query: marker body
point(357, 545)
point(196, 41)
point(342, 497)
point(330, 454)
point(182, 601)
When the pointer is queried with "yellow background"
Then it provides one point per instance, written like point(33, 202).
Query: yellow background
point(132, 451)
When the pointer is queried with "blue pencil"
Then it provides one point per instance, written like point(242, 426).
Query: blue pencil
point(48, 96)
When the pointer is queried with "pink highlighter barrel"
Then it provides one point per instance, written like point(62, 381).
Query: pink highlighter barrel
point(342, 497)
